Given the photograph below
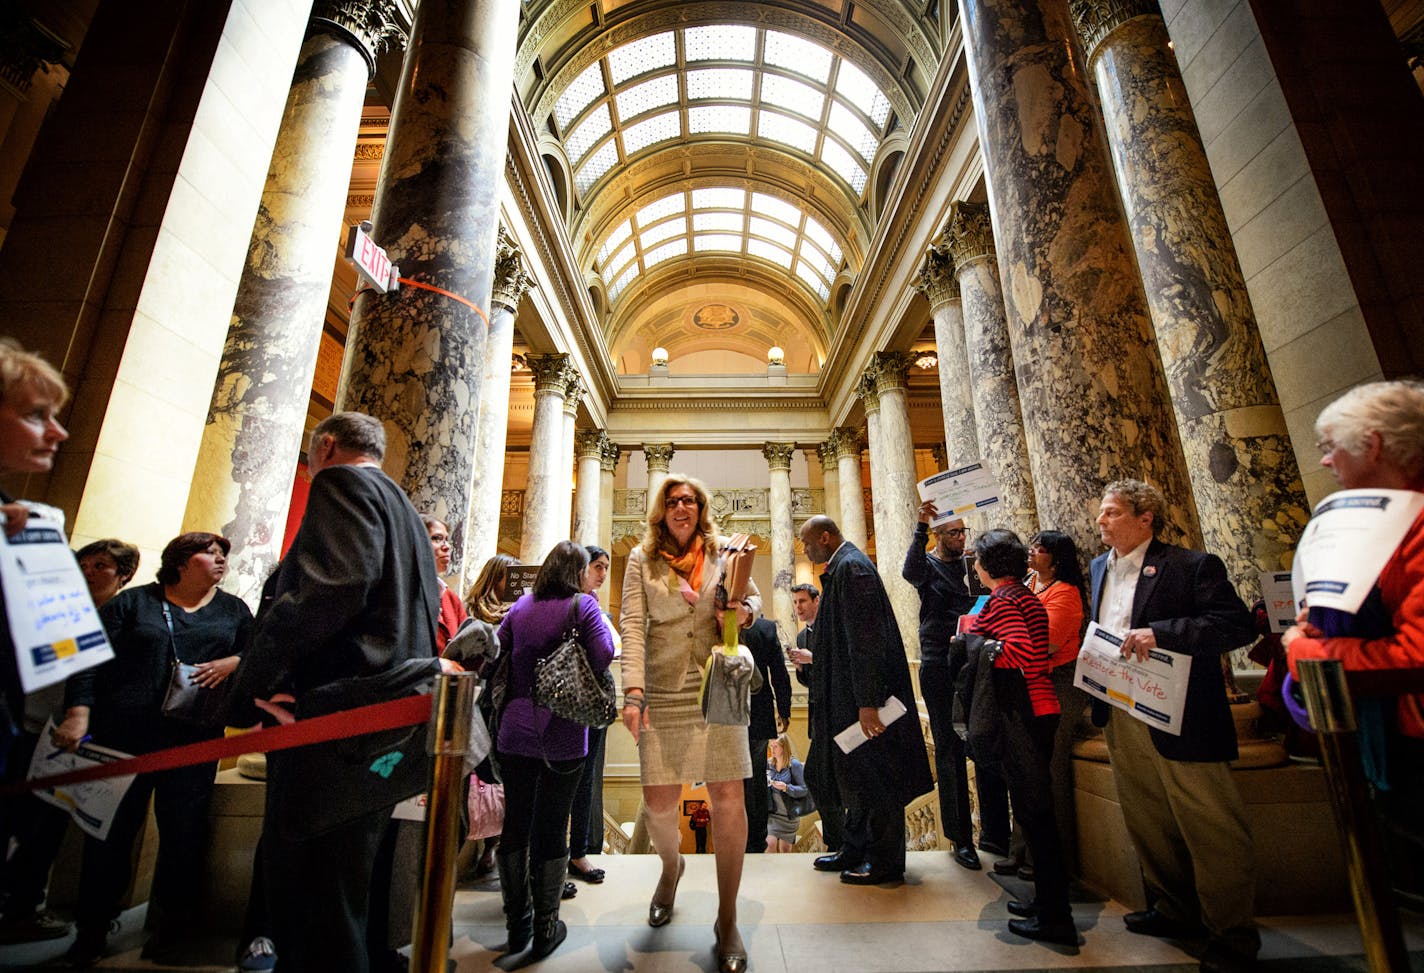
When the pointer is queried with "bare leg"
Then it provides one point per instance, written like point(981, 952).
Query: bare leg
point(772, 845)
point(729, 835)
point(660, 811)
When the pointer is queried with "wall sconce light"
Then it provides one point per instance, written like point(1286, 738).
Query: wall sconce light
point(775, 355)
point(660, 357)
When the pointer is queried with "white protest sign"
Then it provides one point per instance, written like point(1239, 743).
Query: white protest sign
point(92, 803)
point(956, 492)
point(1279, 596)
point(53, 622)
point(1349, 540)
point(1153, 691)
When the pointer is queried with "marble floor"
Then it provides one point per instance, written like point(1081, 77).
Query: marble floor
point(941, 918)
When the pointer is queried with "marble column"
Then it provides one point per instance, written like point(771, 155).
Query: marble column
point(541, 493)
point(896, 501)
point(956, 381)
point(511, 283)
point(783, 538)
point(415, 357)
point(1093, 393)
point(247, 459)
point(869, 397)
point(607, 466)
point(564, 505)
point(589, 446)
point(659, 457)
point(830, 479)
point(968, 241)
point(845, 443)
point(1248, 489)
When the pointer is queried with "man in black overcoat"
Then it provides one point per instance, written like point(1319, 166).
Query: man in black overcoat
point(771, 714)
point(356, 595)
point(860, 664)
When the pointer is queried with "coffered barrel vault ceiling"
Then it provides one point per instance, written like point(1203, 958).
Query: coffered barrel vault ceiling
point(719, 164)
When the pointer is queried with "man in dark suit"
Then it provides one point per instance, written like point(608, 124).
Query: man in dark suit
point(860, 664)
point(771, 713)
point(1183, 811)
point(356, 595)
point(806, 600)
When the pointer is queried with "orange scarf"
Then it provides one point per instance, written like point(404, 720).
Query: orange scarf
point(689, 565)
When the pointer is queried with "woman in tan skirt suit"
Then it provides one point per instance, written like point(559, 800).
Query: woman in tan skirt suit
point(670, 626)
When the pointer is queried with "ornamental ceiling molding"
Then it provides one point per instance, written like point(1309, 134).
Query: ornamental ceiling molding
point(740, 400)
point(606, 204)
point(816, 24)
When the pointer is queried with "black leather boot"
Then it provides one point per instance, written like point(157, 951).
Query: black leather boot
point(514, 884)
point(549, 929)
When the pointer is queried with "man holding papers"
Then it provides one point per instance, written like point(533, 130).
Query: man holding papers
point(1183, 812)
point(860, 669)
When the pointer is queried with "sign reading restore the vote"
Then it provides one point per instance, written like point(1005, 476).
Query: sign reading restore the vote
point(1153, 691)
point(53, 622)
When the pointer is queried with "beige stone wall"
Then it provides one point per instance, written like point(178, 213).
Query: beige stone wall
point(1310, 319)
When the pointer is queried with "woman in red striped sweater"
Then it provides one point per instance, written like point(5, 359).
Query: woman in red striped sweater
point(1028, 713)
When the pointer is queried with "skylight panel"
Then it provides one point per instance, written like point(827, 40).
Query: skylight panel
point(813, 256)
point(842, 164)
point(615, 240)
point(797, 54)
point(598, 124)
point(775, 208)
point(720, 42)
point(666, 206)
point(640, 98)
point(724, 84)
point(813, 280)
point(823, 239)
point(855, 86)
point(717, 241)
point(769, 251)
point(719, 118)
point(665, 252)
point(620, 260)
point(730, 222)
point(787, 130)
point(719, 197)
point(659, 128)
point(852, 131)
point(598, 163)
point(641, 56)
point(792, 95)
point(578, 95)
point(662, 231)
point(774, 231)
point(622, 282)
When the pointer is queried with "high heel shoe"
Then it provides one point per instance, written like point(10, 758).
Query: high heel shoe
point(729, 961)
point(659, 914)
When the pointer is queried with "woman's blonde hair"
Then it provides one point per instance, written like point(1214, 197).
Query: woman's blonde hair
point(788, 752)
point(658, 538)
point(483, 600)
point(20, 367)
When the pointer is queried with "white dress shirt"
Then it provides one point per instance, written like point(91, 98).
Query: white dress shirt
point(1119, 588)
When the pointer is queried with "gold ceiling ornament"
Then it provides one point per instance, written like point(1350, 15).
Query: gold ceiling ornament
point(716, 317)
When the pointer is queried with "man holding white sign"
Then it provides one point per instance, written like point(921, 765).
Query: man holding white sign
point(1185, 817)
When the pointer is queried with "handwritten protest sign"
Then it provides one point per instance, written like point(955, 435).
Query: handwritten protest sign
point(53, 622)
point(92, 804)
point(1153, 691)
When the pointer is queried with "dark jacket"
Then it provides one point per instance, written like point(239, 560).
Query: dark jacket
point(774, 697)
point(1187, 600)
point(860, 661)
point(944, 595)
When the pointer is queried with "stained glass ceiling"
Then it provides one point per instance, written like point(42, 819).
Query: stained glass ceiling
point(736, 82)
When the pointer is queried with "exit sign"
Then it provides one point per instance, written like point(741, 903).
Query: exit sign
point(370, 260)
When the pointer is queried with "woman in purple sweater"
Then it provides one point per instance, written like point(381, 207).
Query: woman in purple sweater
point(541, 755)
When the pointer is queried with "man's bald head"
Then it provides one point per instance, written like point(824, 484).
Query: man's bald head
point(820, 537)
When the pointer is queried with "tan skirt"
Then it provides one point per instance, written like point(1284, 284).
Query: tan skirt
point(679, 747)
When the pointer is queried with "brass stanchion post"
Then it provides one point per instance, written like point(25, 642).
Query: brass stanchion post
point(449, 740)
point(1332, 714)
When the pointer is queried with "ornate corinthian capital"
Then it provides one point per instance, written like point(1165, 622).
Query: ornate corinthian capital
point(608, 459)
point(778, 455)
point(968, 233)
point(1096, 19)
point(373, 26)
point(845, 441)
point(936, 279)
point(867, 391)
point(574, 388)
point(888, 369)
point(589, 443)
point(550, 372)
point(659, 455)
point(510, 280)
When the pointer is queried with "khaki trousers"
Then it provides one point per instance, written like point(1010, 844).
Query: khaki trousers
point(1188, 824)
